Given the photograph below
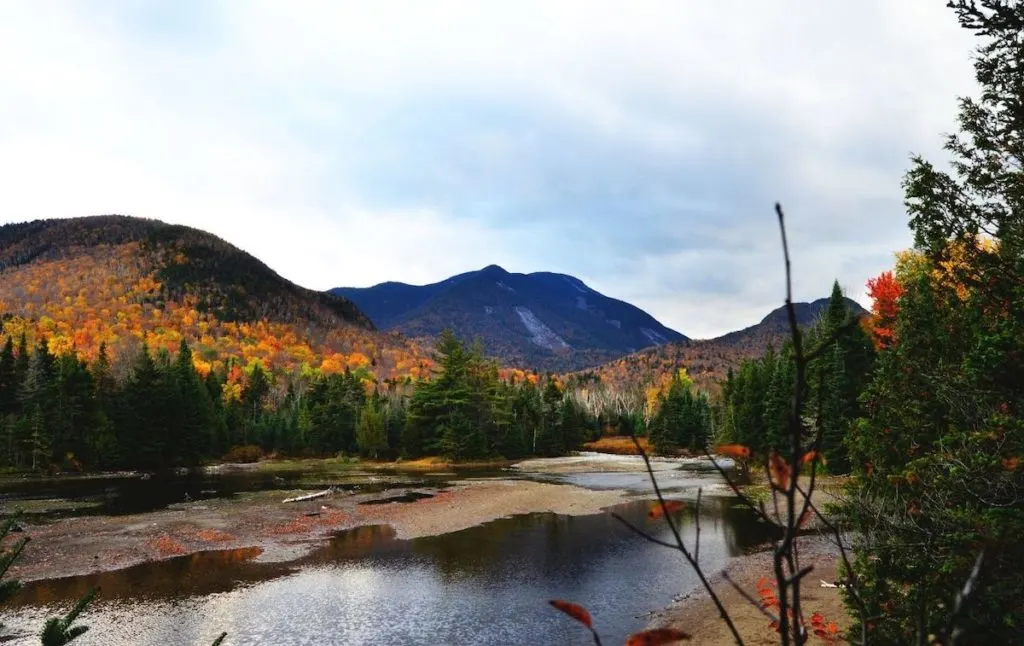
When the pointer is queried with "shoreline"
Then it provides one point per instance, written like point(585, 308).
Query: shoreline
point(695, 612)
point(283, 531)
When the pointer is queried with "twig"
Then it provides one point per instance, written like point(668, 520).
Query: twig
point(951, 632)
point(682, 548)
point(696, 544)
point(656, 541)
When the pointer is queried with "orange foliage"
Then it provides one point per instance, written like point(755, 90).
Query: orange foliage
point(214, 536)
point(658, 510)
point(110, 294)
point(885, 292)
point(735, 451)
point(574, 610)
point(167, 546)
point(618, 445)
point(779, 470)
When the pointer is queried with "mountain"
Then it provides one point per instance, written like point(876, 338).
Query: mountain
point(542, 320)
point(122, 280)
point(707, 360)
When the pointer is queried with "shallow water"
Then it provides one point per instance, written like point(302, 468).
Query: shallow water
point(484, 585)
point(113, 495)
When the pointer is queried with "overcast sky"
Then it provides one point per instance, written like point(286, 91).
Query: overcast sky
point(639, 146)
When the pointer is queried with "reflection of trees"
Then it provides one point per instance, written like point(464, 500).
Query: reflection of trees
point(195, 574)
point(476, 550)
point(355, 543)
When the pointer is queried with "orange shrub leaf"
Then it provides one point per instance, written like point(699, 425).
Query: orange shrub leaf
point(736, 451)
point(779, 470)
point(670, 505)
point(811, 455)
point(656, 637)
point(574, 610)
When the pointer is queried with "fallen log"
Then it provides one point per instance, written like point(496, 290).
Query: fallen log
point(310, 496)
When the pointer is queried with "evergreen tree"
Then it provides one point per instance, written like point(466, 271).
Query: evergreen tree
point(75, 415)
point(835, 410)
point(937, 456)
point(8, 379)
point(194, 437)
point(371, 434)
point(778, 403)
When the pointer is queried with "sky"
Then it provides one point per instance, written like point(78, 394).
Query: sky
point(638, 146)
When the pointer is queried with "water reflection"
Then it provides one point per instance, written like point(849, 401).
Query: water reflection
point(482, 585)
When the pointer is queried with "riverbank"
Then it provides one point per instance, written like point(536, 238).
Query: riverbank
point(697, 614)
point(284, 531)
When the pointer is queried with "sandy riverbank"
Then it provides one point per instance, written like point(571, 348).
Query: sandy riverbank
point(88, 544)
point(696, 613)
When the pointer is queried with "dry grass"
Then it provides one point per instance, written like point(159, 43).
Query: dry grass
point(434, 463)
point(214, 536)
point(167, 546)
point(618, 445)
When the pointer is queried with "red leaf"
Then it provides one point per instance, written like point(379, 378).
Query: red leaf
point(817, 619)
point(574, 610)
point(658, 511)
point(656, 637)
point(811, 455)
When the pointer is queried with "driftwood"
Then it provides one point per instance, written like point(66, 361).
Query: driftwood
point(310, 496)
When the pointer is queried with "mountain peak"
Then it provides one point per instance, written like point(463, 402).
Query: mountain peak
point(540, 320)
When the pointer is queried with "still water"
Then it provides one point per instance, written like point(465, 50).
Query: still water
point(484, 585)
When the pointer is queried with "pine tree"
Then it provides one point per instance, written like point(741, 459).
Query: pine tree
point(194, 438)
point(8, 380)
point(371, 435)
point(835, 410)
point(937, 455)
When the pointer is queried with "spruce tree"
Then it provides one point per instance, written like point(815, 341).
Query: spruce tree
point(8, 379)
point(371, 435)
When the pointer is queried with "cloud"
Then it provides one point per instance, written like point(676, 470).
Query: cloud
point(638, 148)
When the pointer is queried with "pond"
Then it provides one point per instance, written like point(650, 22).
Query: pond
point(487, 584)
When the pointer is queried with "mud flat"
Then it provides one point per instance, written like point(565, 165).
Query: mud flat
point(284, 531)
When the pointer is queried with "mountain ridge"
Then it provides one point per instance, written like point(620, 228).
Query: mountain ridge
point(542, 320)
point(708, 360)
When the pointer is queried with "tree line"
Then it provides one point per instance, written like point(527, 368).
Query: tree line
point(60, 412)
point(753, 409)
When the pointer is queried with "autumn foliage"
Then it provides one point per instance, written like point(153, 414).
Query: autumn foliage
point(127, 282)
point(884, 291)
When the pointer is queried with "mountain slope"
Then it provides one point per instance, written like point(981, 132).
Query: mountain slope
point(707, 360)
point(540, 320)
point(122, 280)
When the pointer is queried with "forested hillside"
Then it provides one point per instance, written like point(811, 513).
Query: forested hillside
point(126, 281)
point(707, 361)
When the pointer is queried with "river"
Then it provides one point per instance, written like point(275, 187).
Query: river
point(488, 584)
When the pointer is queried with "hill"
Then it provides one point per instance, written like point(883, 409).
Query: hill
point(542, 320)
point(122, 281)
point(707, 360)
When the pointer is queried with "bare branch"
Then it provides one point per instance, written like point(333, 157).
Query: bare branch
point(656, 541)
point(682, 548)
